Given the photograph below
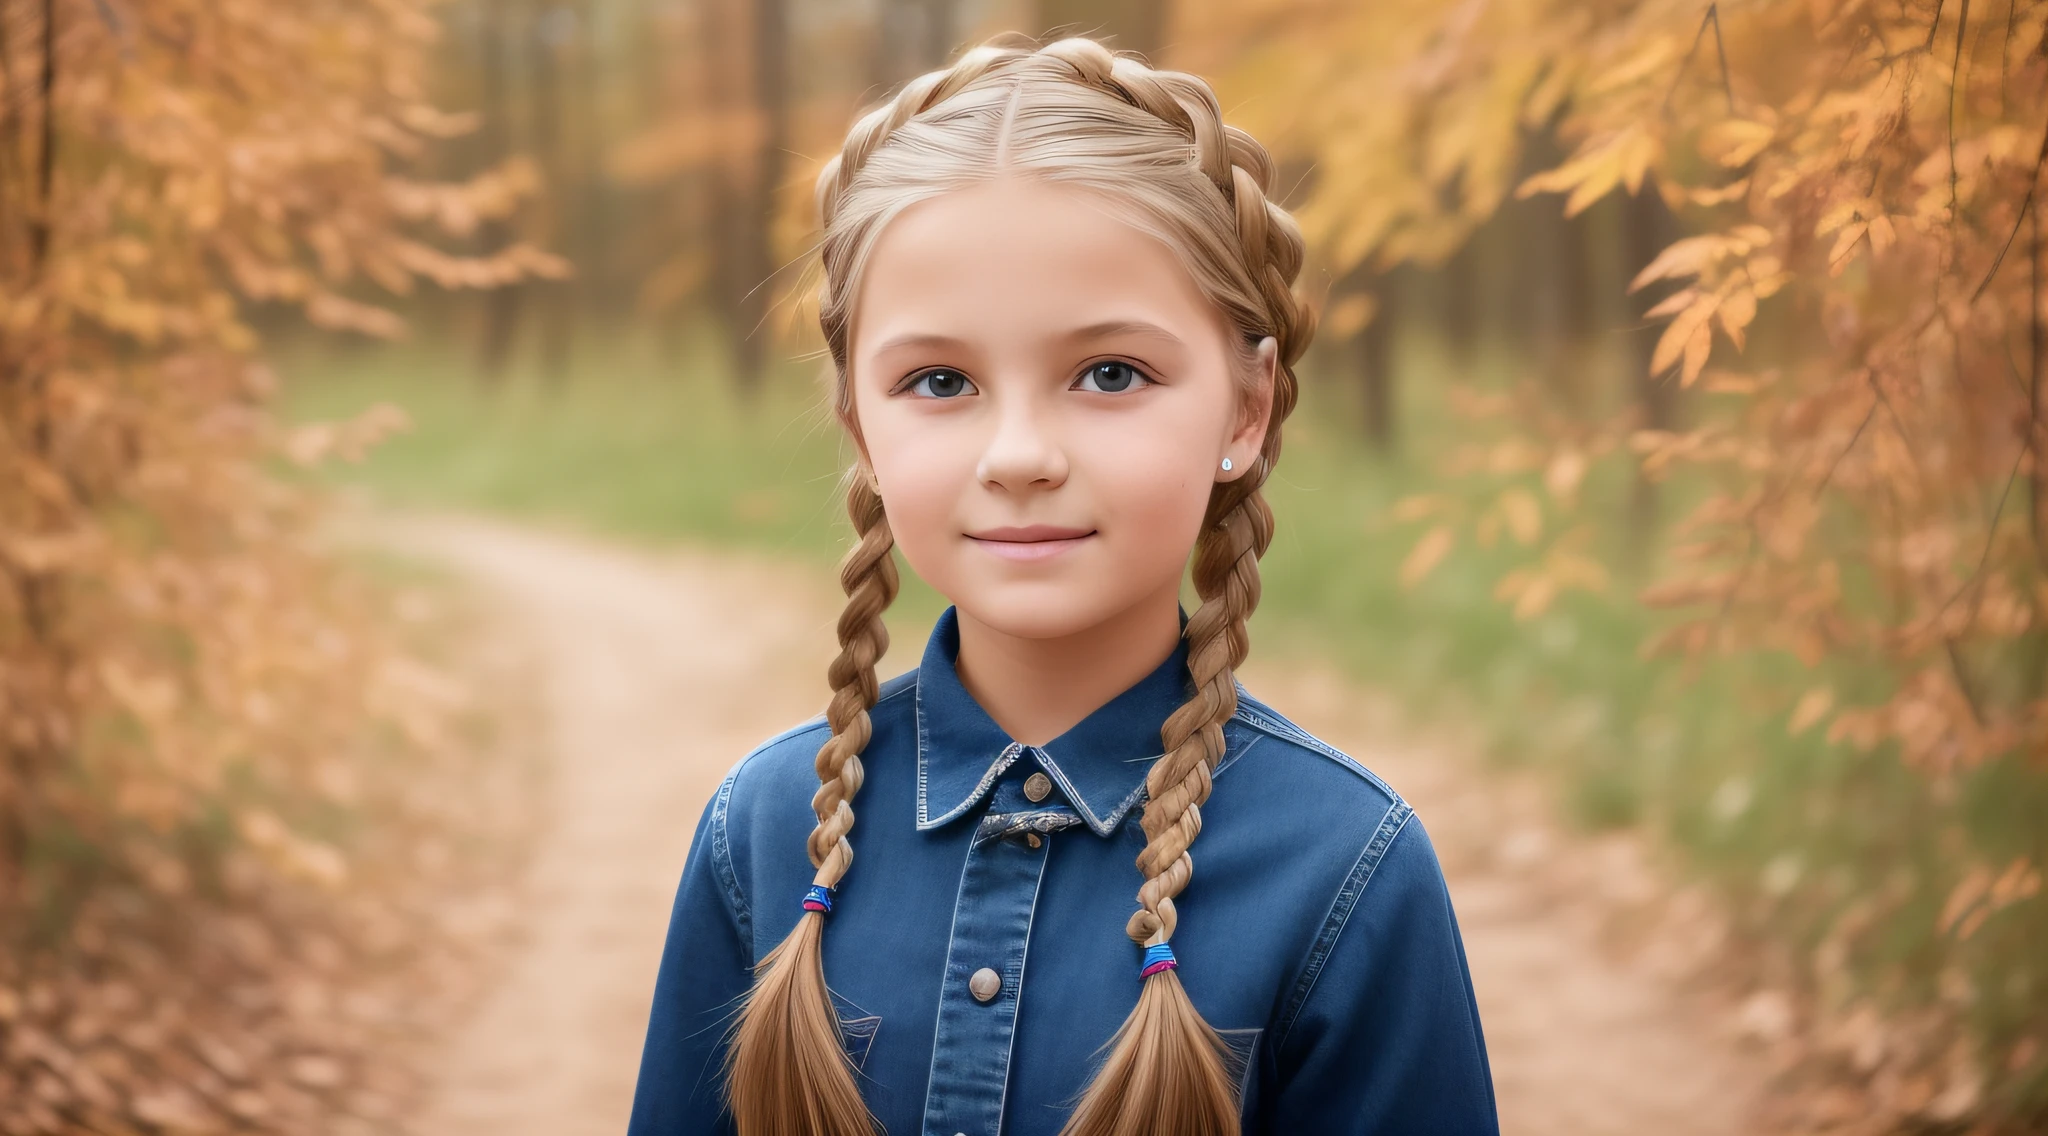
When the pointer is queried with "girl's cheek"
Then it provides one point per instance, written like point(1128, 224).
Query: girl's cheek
point(923, 482)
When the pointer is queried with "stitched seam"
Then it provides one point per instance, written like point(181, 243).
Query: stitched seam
point(1390, 827)
point(1002, 762)
point(1275, 726)
point(1009, 1053)
point(917, 704)
point(945, 973)
point(1098, 825)
point(721, 861)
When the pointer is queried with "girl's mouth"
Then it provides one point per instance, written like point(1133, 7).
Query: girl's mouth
point(1030, 542)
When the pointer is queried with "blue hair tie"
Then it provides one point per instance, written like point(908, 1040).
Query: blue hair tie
point(819, 898)
point(1157, 958)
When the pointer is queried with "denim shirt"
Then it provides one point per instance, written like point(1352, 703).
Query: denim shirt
point(1316, 935)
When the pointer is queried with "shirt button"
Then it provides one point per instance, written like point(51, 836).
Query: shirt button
point(1033, 839)
point(985, 985)
point(1037, 786)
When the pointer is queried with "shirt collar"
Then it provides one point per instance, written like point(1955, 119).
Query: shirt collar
point(1099, 764)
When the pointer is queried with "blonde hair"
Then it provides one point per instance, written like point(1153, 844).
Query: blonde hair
point(1153, 145)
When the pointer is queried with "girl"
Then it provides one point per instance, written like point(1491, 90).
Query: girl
point(1060, 312)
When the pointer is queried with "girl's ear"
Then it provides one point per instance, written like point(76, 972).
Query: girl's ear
point(1250, 436)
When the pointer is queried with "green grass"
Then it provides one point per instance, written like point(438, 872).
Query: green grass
point(1797, 833)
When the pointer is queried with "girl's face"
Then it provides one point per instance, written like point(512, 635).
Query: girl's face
point(1046, 400)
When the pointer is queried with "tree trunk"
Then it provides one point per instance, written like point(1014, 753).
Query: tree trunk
point(1376, 364)
point(754, 251)
point(553, 27)
point(1647, 226)
point(2037, 368)
point(1460, 320)
point(501, 304)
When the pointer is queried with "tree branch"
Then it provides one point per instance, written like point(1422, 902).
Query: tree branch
point(46, 160)
point(1713, 17)
point(2026, 203)
point(1955, 76)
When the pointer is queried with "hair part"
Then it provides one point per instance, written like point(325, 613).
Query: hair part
point(1152, 144)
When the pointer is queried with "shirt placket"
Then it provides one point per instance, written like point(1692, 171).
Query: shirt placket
point(984, 976)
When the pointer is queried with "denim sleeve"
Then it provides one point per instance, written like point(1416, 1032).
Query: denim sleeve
point(1388, 1039)
point(705, 967)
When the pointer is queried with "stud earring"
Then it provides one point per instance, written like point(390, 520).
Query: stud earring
point(1226, 465)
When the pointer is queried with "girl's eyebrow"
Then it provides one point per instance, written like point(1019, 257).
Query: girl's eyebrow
point(921, 339)
point(1112, 328)
point(1108, 329)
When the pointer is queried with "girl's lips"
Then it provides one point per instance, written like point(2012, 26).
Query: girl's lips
point(1031, 542)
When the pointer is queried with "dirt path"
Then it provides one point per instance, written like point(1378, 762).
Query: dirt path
point(662, 670)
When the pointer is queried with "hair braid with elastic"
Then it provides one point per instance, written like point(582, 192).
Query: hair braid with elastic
point(787, 1074)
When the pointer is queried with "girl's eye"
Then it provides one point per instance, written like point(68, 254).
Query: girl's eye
point(1112, 377)
point(941, 383)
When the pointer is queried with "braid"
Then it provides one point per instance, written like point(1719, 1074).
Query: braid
point(787, 1074)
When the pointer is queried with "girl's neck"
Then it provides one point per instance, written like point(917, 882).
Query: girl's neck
point(1038, 689)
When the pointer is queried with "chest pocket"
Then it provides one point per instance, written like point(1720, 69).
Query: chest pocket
point(1242, 1061)
point(857, 1029)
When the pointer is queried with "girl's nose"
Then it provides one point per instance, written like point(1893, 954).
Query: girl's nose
point(1024, 452)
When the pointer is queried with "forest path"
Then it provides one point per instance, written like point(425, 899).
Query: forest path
point(660, 670)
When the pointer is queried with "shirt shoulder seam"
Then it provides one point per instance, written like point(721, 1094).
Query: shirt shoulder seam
point(1391, 825)
point(1266, 720)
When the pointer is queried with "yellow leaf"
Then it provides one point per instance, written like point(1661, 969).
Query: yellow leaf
point(1676, 340)
point(1811, 708)
point(1683, 258)
point(1744, 238)
point(1733, 191)
point(1524, 515)
point(1845, 244)
point(1564, 473)
point(1535, 598)
point(1734, 141)
point(1737, 309)
point(1697, 348)
point(1673, 304)
point(1427, 553)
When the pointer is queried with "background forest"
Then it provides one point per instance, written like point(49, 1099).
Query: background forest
point(1674, 425)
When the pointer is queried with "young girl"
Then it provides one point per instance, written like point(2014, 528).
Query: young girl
point(1060, 309)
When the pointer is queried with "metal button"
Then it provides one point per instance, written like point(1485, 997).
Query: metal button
point(1037, 787)
point(985, 984)
point(1033, 839)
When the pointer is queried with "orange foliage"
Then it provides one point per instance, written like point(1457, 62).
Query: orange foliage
point(1860, 309)
point(181, 682)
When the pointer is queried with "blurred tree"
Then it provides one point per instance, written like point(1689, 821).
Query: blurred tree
point(750, 284)
point(497, 31)
point(181, 682)
point(1860, 186)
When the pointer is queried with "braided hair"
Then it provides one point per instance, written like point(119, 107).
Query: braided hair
point(1153, 144)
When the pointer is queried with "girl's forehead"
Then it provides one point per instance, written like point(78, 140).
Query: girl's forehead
point(1017, 258)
